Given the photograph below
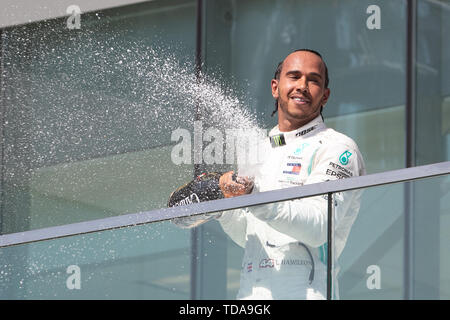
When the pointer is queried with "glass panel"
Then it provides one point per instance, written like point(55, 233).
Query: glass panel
point(433, 81)
point(156, 261)
point(246, 39)
point(387, 232)
point(87, 120)
point(375, 243)
point(144, 262)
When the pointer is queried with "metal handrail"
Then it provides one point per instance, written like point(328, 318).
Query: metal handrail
point(134, 219)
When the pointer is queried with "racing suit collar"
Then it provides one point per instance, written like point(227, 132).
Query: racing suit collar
point(278, 138)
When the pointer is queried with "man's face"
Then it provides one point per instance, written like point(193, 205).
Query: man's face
point(300, 90)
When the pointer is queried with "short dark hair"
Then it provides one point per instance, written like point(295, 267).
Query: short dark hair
point(280, 66)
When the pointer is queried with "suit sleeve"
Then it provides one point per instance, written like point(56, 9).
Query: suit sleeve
point(194, 221)
point(305, 220)
point(234, 223)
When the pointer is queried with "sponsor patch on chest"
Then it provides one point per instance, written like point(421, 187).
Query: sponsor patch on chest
point(293, 168)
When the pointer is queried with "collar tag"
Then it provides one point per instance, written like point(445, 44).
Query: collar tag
point(303, 132)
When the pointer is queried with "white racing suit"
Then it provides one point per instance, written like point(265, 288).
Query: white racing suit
point(286, 242)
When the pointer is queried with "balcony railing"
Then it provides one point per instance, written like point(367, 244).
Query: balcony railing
point(329, 188)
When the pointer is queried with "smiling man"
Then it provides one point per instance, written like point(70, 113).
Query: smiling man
point(285, 243)
point(300, 88)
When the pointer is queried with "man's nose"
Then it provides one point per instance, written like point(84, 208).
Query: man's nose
point(302, 84)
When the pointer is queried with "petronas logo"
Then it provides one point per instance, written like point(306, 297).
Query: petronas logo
point(277, 141)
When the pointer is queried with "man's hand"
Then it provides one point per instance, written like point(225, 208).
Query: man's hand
point(233, 186)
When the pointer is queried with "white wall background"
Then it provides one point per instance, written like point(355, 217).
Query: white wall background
point(16, 12)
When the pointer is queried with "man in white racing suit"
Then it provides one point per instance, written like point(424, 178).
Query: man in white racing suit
point(286, 242)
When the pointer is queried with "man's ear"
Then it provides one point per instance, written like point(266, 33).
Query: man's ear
point(274, 85)
point(325, 97)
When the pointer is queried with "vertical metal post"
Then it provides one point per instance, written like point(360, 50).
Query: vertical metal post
point(411, 32)
point(2, 128)
point(330, 248)
point(408, 243)
point(195, 232)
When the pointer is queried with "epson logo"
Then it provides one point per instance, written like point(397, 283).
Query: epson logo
point(193, 198)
